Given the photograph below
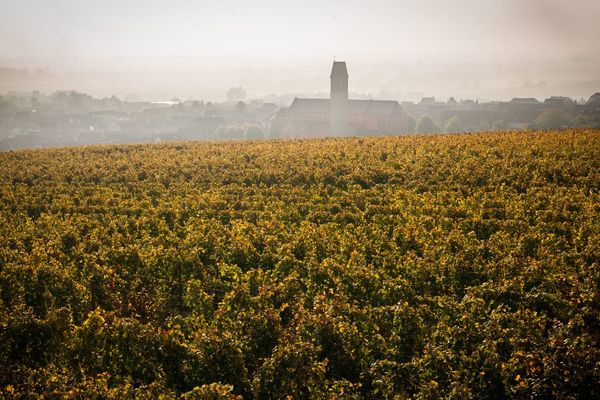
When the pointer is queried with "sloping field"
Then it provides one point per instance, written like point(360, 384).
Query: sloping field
point(459, 266)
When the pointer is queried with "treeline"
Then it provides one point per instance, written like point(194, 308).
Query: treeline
point(550, 119)
point(457, 266)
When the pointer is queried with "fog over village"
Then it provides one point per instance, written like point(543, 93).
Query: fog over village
point(80, 74)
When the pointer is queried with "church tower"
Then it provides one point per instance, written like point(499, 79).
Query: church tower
point(338, 103)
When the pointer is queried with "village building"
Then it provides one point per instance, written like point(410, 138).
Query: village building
point(592, 107)
point(338, 115)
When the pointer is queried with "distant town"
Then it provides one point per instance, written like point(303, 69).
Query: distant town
point(66, 118)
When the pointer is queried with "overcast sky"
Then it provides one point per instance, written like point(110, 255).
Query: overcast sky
point(235, 34)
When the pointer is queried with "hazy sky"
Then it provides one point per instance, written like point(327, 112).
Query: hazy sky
point(185, 35)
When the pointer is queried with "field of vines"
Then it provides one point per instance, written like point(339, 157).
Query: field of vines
point(452, 266)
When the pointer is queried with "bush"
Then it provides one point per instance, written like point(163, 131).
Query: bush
point(499, 125)
point(426, 125)
point(454, 125)
point(411, 124)
point(551, 119)
point(253, 132)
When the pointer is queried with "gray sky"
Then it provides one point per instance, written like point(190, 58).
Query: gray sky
point(265, 40)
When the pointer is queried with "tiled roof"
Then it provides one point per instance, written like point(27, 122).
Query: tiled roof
point(524, 100)
point(595, 99)
point(309, 105)
point(355, 107)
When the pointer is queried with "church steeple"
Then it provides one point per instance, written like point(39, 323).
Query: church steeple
point(339, 79)
point(338, 115)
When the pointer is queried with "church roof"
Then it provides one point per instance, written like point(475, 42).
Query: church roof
point(339, 69)
point(309, 105)
point(373, 107)
point(355, 107)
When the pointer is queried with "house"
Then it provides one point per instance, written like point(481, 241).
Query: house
point(524, 100)
point(558, 102)
point(593, 105)
point(427, 101)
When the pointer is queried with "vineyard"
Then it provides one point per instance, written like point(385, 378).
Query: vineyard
point(450, 266)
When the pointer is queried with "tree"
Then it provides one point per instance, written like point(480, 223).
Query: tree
point(411, 124)
point(484, 125)
point(230, 132)
point(586, 122)
point(425, 125)
point(210, 110)
point(499, 125)
point(253, 132)
point(240, 107)
point(454, 125)
point(35, 103)
point(551, 119)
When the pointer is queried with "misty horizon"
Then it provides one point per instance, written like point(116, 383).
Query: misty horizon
point(479, 81)
point(491, 50)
